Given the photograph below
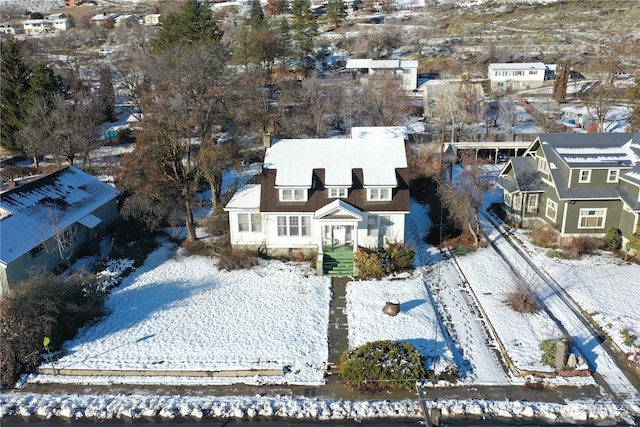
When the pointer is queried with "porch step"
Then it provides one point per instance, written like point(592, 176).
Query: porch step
point(338, 265)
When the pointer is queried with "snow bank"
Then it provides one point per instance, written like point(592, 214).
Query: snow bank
point(202, 407)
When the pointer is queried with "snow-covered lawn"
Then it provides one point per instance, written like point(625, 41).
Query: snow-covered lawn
point(182, 313)
point(520, 333)
point(604, 286)
point(416, 323)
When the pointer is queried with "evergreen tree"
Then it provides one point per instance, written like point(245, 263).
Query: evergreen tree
point(336, 12)
point(107, 95)
point(284, 31)
point(192, 25)
point(14, 84)
point(43, 83)
point(256, 15)
point(304, 30)
point(242, 46)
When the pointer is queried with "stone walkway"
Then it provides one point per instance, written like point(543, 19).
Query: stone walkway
point(338, 333)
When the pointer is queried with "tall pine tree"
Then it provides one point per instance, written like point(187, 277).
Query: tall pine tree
point(14, 85)
point(192, 25)
point(107, 95)
point(303, 31)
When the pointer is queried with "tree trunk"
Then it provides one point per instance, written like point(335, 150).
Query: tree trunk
point(214, 196)
point(474, 234)
point(190, 223)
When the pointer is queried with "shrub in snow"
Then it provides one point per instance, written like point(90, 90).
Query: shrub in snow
point(629, 338)
point(383, 364)
point(44, 306)
point(612, 239)
point(401, 255)
point(235, 259)
point(371, 264)
point(543, 235)
point(522, 299)
point(549, 349)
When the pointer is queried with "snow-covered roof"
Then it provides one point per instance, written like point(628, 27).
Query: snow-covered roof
point(248, 197)
point(378, 154)
point(36, 210)
point(381, 63)
point(594, 150)
point(518, 66)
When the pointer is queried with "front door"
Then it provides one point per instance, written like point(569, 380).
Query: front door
point(339, 234)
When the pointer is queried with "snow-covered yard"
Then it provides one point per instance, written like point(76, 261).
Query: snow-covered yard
point(183, 314)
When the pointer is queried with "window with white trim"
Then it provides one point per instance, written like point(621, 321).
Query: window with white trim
point(383, 194)
point(336, 193)
point(517, 201)
point(507, 199)
point(612, 175)
point(385, 225)
point(532, 203)
point(592, 218)
point(379, 225)
point(293, 195)
point(543, 166)
point(585, 175)
point(294, 225)
point(372, 225)
point(249, 223)
point(552, 210)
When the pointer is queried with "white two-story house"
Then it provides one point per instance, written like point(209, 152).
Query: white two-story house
point(517, 75)
point(317, 195)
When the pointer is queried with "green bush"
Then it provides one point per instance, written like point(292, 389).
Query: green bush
point(401, 255)
point(383, 364)
point(371, 264)
point(562, 254)
point(549, 349)
point(43, 306)
point(612, 239)
point(634, 240)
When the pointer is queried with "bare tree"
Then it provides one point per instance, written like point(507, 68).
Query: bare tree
point(381, 101)
point(462, 196)
point(599, 99)
point(507, 111)
point(183, 102)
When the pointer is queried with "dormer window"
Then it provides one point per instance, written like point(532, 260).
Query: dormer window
point(543, 166)
point(338, 193)
point(585, 175)
point(293, 195)
point(612, 176)
point(379, 194)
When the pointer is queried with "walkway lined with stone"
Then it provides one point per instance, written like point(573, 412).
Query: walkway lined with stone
point(338, 333)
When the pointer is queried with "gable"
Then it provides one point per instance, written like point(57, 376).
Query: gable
point(338, 209)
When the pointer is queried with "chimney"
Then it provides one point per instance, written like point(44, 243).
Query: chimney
point(266, 139)
point(592, 128)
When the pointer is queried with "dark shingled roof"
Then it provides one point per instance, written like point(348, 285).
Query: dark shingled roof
point(269, 198)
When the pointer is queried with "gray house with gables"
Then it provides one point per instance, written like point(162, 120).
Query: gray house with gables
point(581, 183)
